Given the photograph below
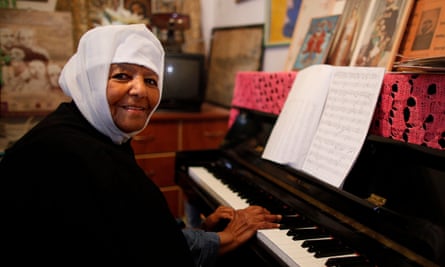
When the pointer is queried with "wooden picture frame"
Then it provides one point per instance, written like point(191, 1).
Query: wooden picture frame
point(232, 49)
point(281, 18)
point(382, 33)
point(317, 42)
point(39, 44)
point(427, 16)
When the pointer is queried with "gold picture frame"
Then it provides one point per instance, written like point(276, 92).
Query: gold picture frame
point(232, 49)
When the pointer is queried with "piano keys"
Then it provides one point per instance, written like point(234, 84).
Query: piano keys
point(363, 231)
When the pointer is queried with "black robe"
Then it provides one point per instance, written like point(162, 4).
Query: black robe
point(70, 195)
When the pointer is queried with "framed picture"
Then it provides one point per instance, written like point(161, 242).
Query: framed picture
point(232, 49)
point(282, 16)
point(346, 35)
point(309, 9)
point(425, 34)
point(34, 47)
point(382, 33)
point(317, 42)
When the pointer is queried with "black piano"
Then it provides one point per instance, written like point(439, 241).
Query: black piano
point(389, 212)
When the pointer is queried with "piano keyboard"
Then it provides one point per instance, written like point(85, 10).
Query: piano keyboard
point(284, 243)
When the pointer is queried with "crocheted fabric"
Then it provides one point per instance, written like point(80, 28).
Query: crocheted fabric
point(411, 107)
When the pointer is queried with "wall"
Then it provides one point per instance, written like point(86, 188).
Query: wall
point(225, 13)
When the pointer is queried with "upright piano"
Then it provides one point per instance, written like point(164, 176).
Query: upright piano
point(390, 210)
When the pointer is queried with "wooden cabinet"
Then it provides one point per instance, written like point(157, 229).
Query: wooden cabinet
point(172, 131)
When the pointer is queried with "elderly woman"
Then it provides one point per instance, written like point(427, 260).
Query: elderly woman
point(71, 190)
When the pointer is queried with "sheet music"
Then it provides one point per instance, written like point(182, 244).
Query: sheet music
point(344, 124)
point(292, 134)
point(338, 123)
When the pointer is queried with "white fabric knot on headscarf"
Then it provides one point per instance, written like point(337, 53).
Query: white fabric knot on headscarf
point(84, 77)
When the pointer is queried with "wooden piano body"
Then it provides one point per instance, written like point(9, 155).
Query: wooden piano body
point(391, 209)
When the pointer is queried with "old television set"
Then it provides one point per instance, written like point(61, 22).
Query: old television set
point(184, 82)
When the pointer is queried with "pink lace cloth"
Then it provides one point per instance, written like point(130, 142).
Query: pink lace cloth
point(411, 107)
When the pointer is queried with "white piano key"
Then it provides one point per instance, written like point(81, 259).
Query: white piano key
point(216, 188)
point(283, 246)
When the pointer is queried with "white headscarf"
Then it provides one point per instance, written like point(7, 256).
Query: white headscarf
point(84, 77)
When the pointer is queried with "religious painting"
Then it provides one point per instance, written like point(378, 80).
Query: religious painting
point(346, 35)
point(282, 16)
point(232, 49)
point(34, 46)
point(425, 34)
point(309, 9)
point(316, 42)
point(382, 33)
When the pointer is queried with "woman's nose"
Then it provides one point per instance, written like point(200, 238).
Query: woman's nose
point(138, 87)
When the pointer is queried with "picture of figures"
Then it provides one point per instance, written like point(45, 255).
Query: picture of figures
point(32, 56)
point(317, 42)
point(380, 41)
point(427, 27)
point(348, 29)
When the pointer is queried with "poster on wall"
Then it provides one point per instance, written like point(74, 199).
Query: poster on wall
point(281, 19)
point(34, 47)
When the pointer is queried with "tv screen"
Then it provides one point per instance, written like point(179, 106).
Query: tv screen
point(184, 82)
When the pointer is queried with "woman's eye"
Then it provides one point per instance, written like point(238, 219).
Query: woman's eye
point(121, 76)
point(151, 81)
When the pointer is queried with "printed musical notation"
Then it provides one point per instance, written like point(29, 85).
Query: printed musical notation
point(325, 120)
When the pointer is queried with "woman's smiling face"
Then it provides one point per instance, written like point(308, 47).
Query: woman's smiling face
point(132, 94)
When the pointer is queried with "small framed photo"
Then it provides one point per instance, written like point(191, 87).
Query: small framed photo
point(382, 33)
point(317, 42)
point(425, 33)
point(232, 49)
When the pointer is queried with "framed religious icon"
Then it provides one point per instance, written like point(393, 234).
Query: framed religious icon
point(232, 49)
point(309, 9)
point(382, 33)
point(346, 35)
point(34, 47)
point(317, 42)
point(425, 34)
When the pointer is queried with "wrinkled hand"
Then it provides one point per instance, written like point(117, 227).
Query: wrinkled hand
point(244, 224)
point(221, 214)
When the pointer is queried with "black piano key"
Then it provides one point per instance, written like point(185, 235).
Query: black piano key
point(352, 261)
point(303, 234)
point(331, 262)
point(332, 251)
point(322, 242)
point(316, 245)
point(295, 221)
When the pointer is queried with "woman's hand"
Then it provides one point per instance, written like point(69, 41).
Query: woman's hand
point(243, 225)
point(220, 216)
